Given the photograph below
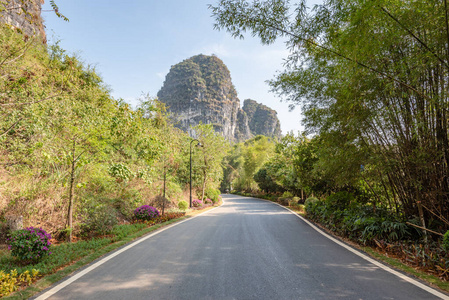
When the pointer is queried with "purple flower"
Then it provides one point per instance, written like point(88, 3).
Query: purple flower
point(29, 243)
point(146, 212)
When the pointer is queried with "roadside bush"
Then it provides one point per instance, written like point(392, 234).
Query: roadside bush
point(197, 203)
point(183, 205)
point(287, 195)
point(213, 194)
point(98, 220)
point(310, 202)
point(10, 282)
point(446, 241)
point(208, 201)
point(146, 213)
point(297, 200)
point(120, 172)
point(30, 244)
point(357, 221)
point(339, 200)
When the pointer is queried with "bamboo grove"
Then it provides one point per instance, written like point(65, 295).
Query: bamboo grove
point(371, 78)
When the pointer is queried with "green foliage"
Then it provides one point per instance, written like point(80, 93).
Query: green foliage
point(10, 282)
point(99, 219)
point(340, 200)
point(30, 244)
point(209, 157)
point(213, 194)
point(446, 241)
point(183, 205)
point(245, 161)
point(122, 231)
point(358, 222)
point(265, 181)
point(377, 122)
point(311, 202)
point(287, 195)
point(120, 172)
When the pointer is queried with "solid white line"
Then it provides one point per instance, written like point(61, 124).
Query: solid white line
point(369, 259)
point(80, 274)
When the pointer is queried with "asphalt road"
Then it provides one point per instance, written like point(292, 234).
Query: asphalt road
point(245, 249)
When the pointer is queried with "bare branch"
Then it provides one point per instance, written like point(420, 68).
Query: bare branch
point(434, 232)
point(11, 127)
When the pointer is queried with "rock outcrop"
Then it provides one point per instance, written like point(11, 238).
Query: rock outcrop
point(199, 89)
point(24, 16)
point(263, 120)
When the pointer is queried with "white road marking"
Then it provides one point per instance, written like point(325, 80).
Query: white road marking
point(80, 274)
point(369, 259)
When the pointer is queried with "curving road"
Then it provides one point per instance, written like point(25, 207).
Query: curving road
point(245, 249)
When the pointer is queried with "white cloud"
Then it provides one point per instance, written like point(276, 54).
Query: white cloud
point(218, 49)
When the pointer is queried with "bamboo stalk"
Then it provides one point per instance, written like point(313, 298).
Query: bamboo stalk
point(434, 232)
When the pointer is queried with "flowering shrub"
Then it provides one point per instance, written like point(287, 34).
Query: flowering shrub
point(197, 203)
point(146, 213)
point(166, 217)
point(207, 201)
point(29, 244)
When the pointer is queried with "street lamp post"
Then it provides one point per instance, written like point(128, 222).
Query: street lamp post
point(198, 145)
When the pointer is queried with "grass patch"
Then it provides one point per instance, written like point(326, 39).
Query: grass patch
point(69, 257)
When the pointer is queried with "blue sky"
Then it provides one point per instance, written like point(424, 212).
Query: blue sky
point(133, 44)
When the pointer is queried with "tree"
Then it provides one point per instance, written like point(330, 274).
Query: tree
point(211, 153)
point(246, 159)
point(372, 72)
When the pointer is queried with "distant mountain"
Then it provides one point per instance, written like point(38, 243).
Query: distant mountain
point(262, 119)
point(199, 89)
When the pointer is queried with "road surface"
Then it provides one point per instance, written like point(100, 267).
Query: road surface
point(245, 249)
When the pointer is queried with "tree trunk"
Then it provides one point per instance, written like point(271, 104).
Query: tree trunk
point(204, 185)
point(72, 181)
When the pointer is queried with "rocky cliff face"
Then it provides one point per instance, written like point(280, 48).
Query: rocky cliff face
point(199, 89)
point(24, 16)
point(263, 120)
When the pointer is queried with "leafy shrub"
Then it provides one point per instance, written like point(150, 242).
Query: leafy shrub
point(197, 203)
point(357, 221)
point(310, 201)
point(287, 195)
point(98, 220)
point(30, 244)
point(297, 200)
point(146, 213)
point(120, 172)
point(340, 200)
point(127, 201)
point(10, 282)
point(161, 201)
point(446, 241)
point(183, 205)
point(213, 194)
point(208, 201)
